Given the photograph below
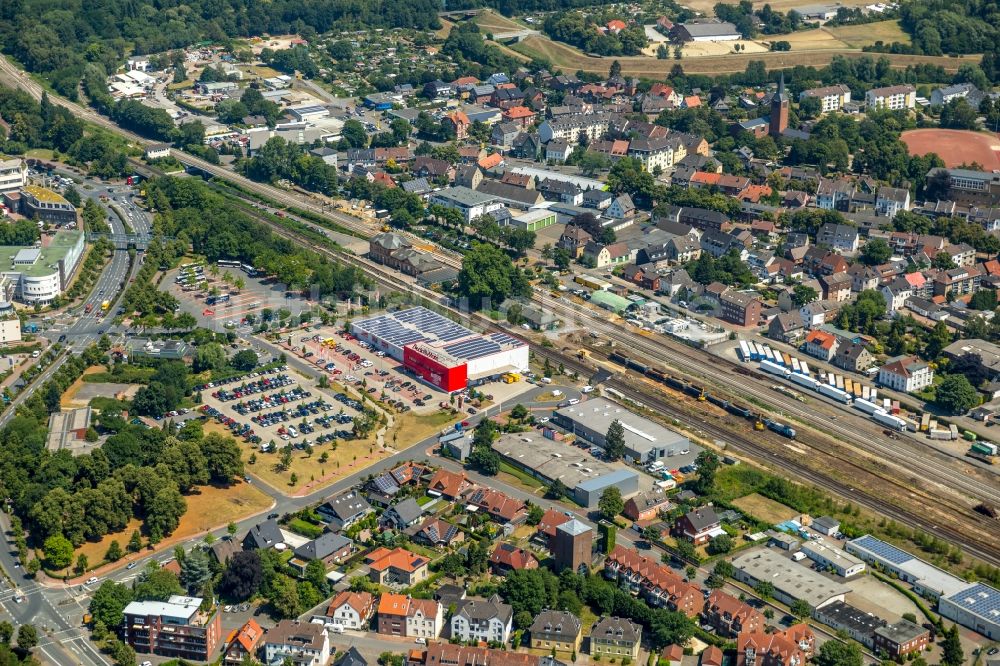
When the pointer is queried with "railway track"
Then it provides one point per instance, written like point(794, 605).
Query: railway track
point(982, 547)
point(691, 360)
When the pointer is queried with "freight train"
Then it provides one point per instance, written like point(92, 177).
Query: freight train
point(699, 392)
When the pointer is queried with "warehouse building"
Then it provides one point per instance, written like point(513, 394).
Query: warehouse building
point(926, 579)
point(842, 563)
point(791, 581)
point(441, 352)
point(645, 440)
point(976, 607)
point(856, 623)
point(548, 460)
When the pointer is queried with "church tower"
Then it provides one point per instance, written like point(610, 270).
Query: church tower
point(779, 110)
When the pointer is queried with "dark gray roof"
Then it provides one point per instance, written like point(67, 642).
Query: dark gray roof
point(553, 622)
point(702, 518)
point(352, 658)
point(347, 505)
point(263, 535)
point(616, 628)
point(408, 511)
point(322, 546)
point(484, 609)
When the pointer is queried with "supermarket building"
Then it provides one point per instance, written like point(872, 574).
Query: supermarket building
point(441, 352)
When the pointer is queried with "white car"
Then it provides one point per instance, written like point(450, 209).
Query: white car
point(420, 640)
point(574, 401)
point(92, 580)
point(587, 389)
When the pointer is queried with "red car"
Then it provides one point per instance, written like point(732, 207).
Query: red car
point(207, 313)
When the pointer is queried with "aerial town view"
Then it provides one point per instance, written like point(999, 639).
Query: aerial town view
point(499, 333)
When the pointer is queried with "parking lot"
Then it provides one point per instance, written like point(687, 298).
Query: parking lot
point(231, 308)
point(352, 363)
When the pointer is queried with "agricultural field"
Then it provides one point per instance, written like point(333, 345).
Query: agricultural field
point(846, 36)
point(707, 7)
point(570, 59)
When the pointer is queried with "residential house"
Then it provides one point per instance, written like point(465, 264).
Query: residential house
point(558, 151)
point(657, 583)
point(957, 282)
point(615, 638)
point(941, 96)
point(329, 548)
point(853, 356)
point(560, 190)
point(344, 510)
point(450, 485)
point(840, 237)
point(816, 313)
point(459, 123)
point(699, 218)
point(699, 525)
point(403, 515)
point(730, 617)
point(354, 658)
point(507, 557)
point(556, 630)
point(641, 277)
point(597, 199)
point(482, 620)
point(467, 175)
point(905, 374)
point(526, 146)
point(263, 535)
point(621, 208)
point(962, 254)
point(821, 345)
point(654, 153)
point(606, 255)
point(351, 610)
point(438, 533)
point(783, 648)
point(893, 98)
point(834, 194)
point(574, 239)
point(832, 98)
point(301, 643)
point(836, 287)
point(396, 567)
point(741, 308)
point(710, 656)
point(863, 277)
point(646, 506)
point(243, 643)
point(521, 116)
point(504, 133)
point(786, 327)
point(719, 243)
point(432, 169)
point(500, 507)
point(424, 618)
point(891, 200)
point(896, 294)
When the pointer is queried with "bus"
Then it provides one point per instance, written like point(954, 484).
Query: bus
point(227, 263)
point(249, 270)
point(221, 298)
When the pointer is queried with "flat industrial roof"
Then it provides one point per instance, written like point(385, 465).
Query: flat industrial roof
point(554, 460)
point(789, 577)
point(641, 434)
point(927, 575)
point(980, 600)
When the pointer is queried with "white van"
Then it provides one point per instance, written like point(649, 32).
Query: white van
point(546, 380)
point(655, 467)
point(335, 628)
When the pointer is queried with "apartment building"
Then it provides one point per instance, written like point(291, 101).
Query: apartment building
point(832, 98)
point(893, 98)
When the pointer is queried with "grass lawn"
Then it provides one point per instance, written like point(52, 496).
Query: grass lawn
point(208, 509)
point(860, 36)
point(424, 500)
point(310, 473)
point(490, 21)
point(549, 396)
point(40, 153)
point(411, 428)
point(764, 508)
point(516, 477)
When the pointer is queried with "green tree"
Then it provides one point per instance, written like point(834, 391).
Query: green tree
point(720, 545)
point(708, 465)
point(839, 653)
point(956, 395)
point(135, 542)
point(195, 570)
point(801, 609)
point(209, 357)
point(222, 456)
point(803, 295)
point(764, 589)
point(58, 552)
point(876, 251)
point(488, 276)
point(611, 503)
point(6, 632)
point(81, 564)
point(669, 628)
point(157, 585)
point(951, 648)
point(109, 601)
point(27, 637)
point(614, 441)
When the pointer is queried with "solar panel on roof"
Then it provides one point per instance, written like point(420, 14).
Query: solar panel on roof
point(883, 550)
point(472, 348)
point(980, 599)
